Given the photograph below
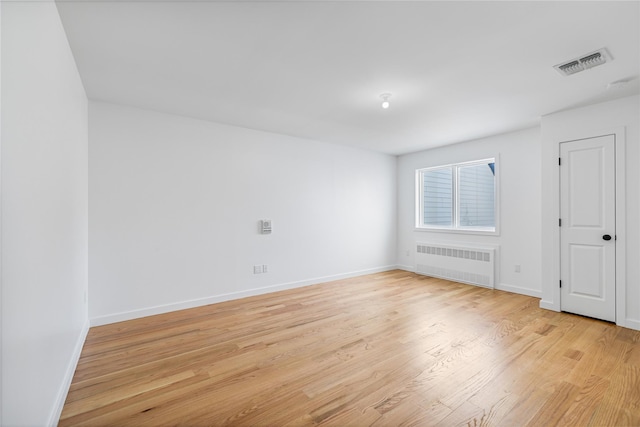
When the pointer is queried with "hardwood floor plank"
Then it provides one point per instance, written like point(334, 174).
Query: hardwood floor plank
point(553, 410)
point(526, 408)
point(586, 402)
point(412, 411)
point(466, 414)
point(392, 348)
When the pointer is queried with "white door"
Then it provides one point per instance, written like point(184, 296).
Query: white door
point(588, 227)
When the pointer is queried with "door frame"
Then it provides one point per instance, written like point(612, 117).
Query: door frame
point(621, 216)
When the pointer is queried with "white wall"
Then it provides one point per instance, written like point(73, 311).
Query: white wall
point(621, 117)
point(44, 213)
point(518, 155)
point(175, 203)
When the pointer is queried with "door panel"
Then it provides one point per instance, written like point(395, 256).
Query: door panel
point(587, 282)
point(585, 187)
point(587, 211)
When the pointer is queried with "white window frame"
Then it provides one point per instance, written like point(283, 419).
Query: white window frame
point(456, 227)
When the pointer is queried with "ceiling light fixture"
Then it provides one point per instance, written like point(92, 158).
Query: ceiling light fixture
point(385, 100)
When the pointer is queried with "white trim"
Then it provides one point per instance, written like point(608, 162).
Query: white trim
point(500, 287)
point(549, 305)
point(620, 139)
point(554, 247)
point(409, 268)
point(632, 324)
point(455, 228)
point(619, 134)
point(2, 392)
point(198, 302)
point(54, 418)
point(518, 290)
point(476, 231)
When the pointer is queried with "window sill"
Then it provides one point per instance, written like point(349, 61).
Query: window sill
point(479, 232)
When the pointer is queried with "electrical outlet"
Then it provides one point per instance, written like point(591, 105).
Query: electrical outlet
point(407, 253)
point(517, 269)
point(265, 226)
point(257, 269)
point(265, 268)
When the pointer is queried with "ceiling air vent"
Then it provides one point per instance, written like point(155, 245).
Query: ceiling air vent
point(584, 62)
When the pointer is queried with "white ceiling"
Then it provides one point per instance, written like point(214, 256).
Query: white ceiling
point(456, 70)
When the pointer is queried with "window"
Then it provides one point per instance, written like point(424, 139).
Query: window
point(457, 197)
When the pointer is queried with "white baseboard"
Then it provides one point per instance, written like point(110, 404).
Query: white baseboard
point(628, 323)
point(68, 376)
point(548, 305)
point(500, 287)
point(632, 324)
point(519, 290)
point(409, 268)
point(166, 308)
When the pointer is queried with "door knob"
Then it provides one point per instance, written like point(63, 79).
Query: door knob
point(606, 237)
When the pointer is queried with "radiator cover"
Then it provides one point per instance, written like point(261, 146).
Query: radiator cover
point(460, 263)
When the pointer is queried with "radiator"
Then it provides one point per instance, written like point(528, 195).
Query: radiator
point(458, 263)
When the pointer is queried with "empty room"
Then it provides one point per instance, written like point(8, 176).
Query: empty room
point(335, 213)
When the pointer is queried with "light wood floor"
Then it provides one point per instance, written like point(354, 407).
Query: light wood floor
point(387, 349)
